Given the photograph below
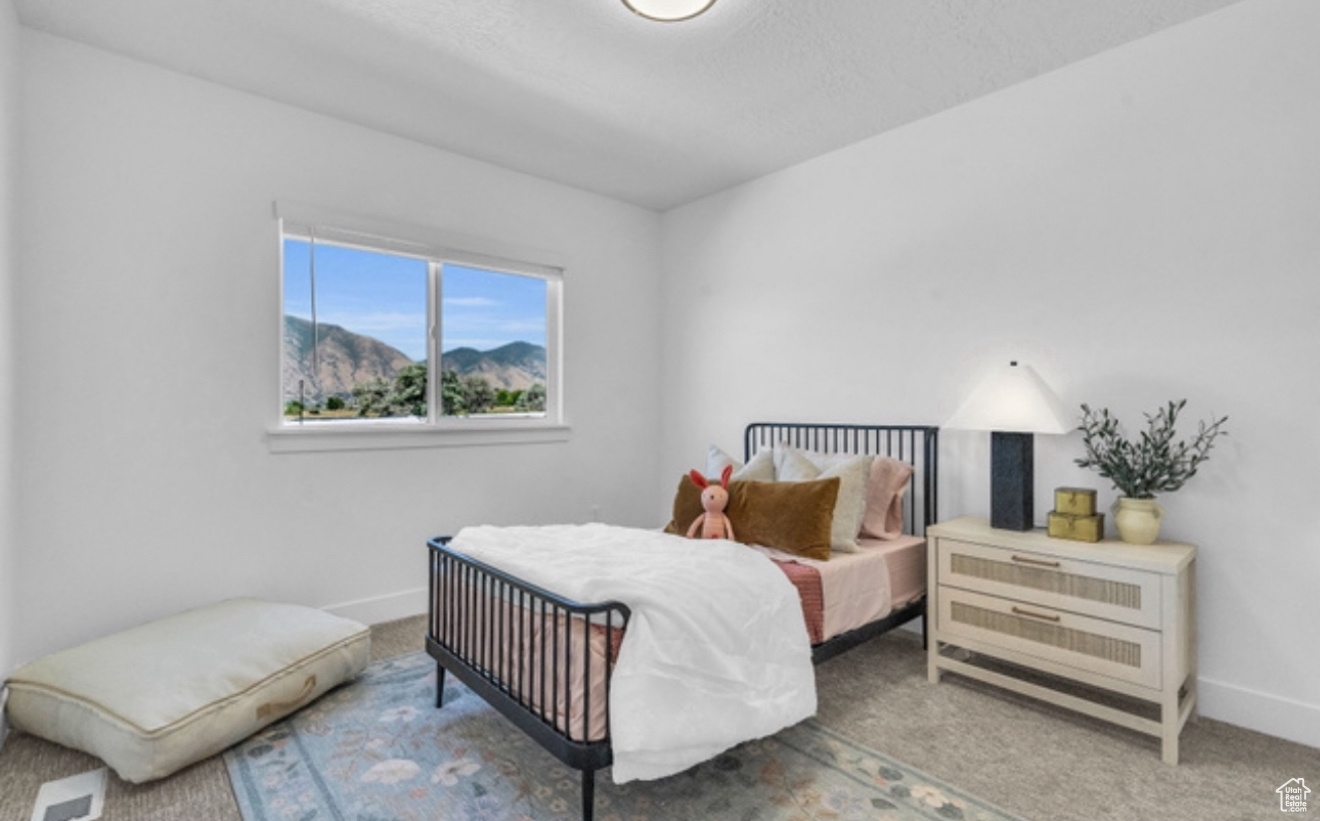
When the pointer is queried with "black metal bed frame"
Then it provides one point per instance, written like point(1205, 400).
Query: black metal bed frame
point(918, 445)
point(479, 621)
point(479, 629)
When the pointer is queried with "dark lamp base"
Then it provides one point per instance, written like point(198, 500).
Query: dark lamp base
point(1011, 460)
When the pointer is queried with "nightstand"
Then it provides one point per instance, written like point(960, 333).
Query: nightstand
point(1006, 607)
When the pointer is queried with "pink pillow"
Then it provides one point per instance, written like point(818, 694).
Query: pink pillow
point(883, 518)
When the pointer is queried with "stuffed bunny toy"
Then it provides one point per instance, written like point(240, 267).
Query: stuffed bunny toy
point(713, 523)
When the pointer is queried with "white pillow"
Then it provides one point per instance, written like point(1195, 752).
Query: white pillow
point(760, 469)
point(796, 465)
point(155, 698)
point(825, 461)
point(792, 464)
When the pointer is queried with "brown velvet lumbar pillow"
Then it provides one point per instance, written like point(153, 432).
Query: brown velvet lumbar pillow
point(791, 516)
point(687, 506)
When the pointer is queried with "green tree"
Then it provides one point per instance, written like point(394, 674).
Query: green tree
point(334, 403)
point(405, 396)
point(452, 401)
point(471, 395)
point(372, 397)
point(533, 401)
point(478, 394)
point(410, 390)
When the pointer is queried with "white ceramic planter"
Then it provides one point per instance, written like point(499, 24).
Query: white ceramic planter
point(1138, 520)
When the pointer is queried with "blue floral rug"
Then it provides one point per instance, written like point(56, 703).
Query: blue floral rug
point(378, 750)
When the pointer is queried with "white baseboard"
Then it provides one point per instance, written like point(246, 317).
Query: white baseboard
point(1270, 714)
point(379, 609)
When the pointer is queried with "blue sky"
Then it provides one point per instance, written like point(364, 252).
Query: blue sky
point(384, 296)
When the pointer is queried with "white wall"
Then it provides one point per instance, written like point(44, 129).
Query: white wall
point(9, 124)
point(1140, 227)
point(148, 305)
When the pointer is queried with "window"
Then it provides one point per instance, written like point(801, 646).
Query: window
point(385, 330)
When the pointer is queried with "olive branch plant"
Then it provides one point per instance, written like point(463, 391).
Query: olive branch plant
point(1153, 463)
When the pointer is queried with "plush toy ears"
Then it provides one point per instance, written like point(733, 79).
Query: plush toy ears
point(702, 482)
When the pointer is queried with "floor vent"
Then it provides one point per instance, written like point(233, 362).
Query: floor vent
point(76, 798)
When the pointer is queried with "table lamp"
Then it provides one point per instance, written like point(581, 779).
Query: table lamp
point(1013, 403)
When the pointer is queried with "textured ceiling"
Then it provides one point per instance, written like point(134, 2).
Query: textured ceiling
point(586, 93)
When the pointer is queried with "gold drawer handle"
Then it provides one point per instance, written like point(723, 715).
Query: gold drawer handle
point(1041, 616)
point(1025, 560)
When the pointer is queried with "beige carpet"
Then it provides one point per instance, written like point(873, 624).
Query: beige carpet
point(1036, 761)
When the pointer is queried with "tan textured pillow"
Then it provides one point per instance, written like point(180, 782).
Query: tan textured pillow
point(794, 517)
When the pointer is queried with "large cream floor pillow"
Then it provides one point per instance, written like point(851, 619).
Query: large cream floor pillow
point(156, 698)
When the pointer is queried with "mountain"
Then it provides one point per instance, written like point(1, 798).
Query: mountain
point(515, 366)
point(344, 359)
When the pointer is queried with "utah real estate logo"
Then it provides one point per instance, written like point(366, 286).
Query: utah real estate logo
point(1292, 796)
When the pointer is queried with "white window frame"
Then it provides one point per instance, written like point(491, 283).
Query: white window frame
point(438, 248)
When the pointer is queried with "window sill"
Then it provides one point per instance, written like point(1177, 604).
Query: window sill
point(314, 438)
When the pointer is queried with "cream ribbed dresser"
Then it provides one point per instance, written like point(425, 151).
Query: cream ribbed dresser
point(1117, 618)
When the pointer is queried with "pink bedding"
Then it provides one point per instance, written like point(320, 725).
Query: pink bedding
point(853, 589)
point(866, 586)
point(807, 581)
point(534, 648)
point(906, 559)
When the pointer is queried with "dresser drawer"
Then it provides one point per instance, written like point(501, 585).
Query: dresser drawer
point(1103, 591)
point(1096, 646)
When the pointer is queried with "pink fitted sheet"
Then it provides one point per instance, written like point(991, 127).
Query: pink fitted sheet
point(859, 588)
point(905, 558)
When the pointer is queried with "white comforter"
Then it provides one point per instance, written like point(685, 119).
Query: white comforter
point(716, 651)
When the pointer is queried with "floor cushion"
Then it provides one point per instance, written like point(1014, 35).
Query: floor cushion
point(156, 698)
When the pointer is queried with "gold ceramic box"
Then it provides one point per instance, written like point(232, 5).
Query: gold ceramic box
point(1078, 528)
point(1074, 501)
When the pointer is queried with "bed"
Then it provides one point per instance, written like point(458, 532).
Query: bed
point(546, 661)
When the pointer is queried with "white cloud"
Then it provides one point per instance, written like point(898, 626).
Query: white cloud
point(470, 302)
point(376, 323)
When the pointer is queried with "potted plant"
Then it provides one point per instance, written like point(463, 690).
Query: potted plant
point(1140, 468)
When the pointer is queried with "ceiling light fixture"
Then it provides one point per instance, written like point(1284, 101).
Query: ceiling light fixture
point(668, 11)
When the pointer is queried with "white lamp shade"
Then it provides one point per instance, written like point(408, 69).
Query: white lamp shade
point(668, 11)
point(1014, 399)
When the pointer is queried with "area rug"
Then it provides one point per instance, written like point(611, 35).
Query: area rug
point(378, 750)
